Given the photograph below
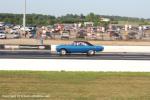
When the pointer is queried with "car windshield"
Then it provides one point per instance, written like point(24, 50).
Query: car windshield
point(89, 44)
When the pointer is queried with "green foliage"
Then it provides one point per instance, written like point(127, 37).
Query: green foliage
point(31, 19)
point(93, 18)
point(39, 19)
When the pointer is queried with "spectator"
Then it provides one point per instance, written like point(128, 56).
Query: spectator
point(26, 34)
point(130, 27)
point(126, 32)
point(41, 40)
point(140, 32)
point(103, 29)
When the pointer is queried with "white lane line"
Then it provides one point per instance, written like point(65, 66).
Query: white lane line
point(75, 65)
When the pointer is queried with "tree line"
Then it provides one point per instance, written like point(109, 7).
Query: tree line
point(39, 19)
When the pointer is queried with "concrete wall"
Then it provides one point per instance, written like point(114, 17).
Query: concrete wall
point(139, 49)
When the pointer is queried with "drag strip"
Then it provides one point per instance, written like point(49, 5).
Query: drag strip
point(48, 55)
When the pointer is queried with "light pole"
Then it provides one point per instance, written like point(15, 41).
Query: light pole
point(24, 15)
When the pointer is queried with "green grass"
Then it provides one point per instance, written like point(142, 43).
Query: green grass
point(30, 85)
point(129, 23)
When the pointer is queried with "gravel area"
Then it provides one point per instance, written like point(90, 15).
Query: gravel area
point(48, 42)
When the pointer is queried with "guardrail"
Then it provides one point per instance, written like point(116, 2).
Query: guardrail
point(25, 47)
point(132, 49)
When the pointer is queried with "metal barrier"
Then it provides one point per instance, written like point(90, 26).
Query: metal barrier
point(35, 47)
point(25, 47)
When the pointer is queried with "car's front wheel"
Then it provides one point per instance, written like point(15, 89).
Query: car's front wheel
point(91, 52)
point(63, 52)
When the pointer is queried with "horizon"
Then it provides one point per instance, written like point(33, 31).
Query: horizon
point(73, 14)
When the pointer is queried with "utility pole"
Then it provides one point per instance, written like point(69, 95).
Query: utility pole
point(24, 15)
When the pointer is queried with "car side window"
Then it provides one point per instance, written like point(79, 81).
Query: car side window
point(77, 44)
point(82, 44)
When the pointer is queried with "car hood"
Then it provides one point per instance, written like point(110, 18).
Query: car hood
point(99, 48)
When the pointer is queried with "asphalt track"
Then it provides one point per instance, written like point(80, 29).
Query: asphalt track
point(48, 55)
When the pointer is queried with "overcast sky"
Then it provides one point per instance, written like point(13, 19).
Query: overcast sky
point(130, 8)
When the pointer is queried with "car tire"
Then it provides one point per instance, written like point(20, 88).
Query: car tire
point(63, 52)
point(91, 53)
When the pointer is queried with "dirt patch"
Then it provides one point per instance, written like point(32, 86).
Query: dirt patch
point(49, 42)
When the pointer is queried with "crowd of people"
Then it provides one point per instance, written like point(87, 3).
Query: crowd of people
point(77, 31)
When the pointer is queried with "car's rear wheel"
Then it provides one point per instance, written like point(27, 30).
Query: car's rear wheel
point(63, 52)
point(91, 52)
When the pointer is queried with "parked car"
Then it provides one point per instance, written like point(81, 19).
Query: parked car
point(132, 35)
point(2, 34)
point(50, 35)
point(79, 47)
point(32, 34)
point(92, 36)
point(16, 35)
point(115, 34)
point(13, 35)
point(81, 34)
point(65, 35)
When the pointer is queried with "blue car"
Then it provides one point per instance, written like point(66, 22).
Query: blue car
point(79, 47)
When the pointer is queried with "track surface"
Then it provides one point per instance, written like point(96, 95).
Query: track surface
point(48, 55)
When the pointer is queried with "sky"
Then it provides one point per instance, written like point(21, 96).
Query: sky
point(128, 8)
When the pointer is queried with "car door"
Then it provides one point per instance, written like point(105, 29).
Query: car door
point(80, 48)
point(73, 48)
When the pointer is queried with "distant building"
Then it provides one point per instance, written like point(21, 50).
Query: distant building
point(88, 24)
point(105, 19)
point(2, 24)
